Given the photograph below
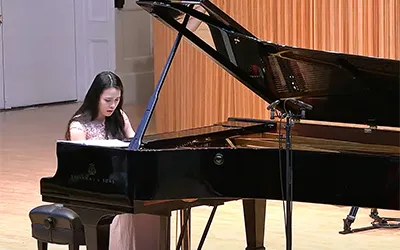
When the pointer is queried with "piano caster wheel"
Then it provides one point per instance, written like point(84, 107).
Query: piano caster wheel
point(56, 224)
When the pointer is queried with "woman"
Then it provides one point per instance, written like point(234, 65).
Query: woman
point(101, 117)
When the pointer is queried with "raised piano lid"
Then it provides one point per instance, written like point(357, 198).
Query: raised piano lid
point(340, 87)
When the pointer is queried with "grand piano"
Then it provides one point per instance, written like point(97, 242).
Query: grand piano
point(344, 137)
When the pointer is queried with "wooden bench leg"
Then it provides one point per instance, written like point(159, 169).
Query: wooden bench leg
point(73, 246)
point(42, 245)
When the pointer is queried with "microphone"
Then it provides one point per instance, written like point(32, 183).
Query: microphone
point(272, 108)
point(302, 104)
point(273, 105)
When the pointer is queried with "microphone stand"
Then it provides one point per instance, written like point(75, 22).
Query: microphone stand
point(289, 178)
point(290, 117)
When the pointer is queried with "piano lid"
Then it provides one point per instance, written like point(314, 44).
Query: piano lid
point(340, 87)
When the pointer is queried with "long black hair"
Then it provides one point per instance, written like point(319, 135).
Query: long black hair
point(89, 110)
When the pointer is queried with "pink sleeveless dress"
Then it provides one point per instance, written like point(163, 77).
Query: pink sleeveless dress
point(127, 231)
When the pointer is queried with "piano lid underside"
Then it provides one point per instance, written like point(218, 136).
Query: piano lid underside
point(340, 87)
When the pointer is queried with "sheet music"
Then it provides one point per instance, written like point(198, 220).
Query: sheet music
point(113, 143)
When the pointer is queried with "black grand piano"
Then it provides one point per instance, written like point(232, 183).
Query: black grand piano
point(343, 132)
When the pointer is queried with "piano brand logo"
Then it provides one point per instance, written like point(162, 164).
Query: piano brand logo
point(92, 169)
point(90, 176)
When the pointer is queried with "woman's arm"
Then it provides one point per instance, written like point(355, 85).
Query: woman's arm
point(77, 131)
point(129, 132)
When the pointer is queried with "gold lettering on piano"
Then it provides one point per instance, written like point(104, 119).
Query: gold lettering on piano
point(90, 176)
point(91, 179)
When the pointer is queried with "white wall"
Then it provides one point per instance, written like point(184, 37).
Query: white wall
point(106, 39)
point(38, 60)
point(134, 52)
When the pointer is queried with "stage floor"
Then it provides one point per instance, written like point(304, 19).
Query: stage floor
point(27, 153)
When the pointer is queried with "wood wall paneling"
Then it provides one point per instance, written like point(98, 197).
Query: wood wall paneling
point(197, 92)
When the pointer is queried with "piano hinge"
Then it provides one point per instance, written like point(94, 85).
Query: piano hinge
point(370, 129)
point(371, 126)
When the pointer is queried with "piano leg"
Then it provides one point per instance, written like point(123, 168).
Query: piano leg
point(97, 227)
point(254, 217)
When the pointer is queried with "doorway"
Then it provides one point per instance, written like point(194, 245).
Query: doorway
point(38, 53)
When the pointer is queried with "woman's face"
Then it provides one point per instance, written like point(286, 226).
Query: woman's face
point(109, 101)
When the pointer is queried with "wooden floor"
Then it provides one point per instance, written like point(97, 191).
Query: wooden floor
point(27, 153)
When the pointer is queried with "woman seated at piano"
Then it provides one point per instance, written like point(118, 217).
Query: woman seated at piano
point(101, 117)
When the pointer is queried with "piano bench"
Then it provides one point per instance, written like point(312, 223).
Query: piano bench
point(56, 224)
